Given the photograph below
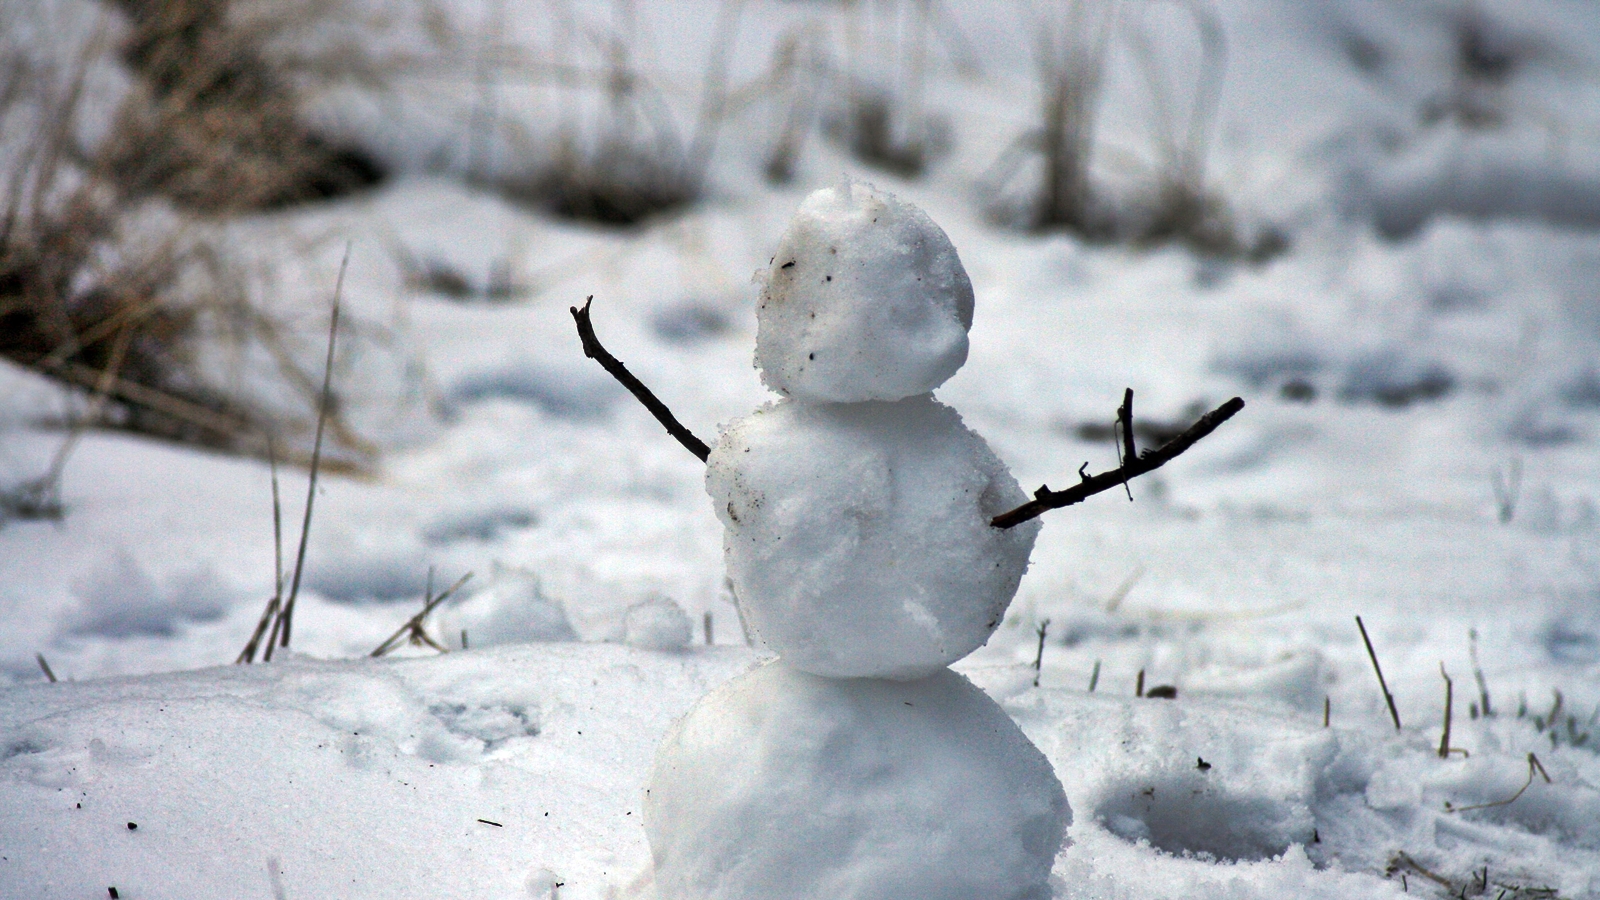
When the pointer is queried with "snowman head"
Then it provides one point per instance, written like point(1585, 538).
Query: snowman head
point(866, 300)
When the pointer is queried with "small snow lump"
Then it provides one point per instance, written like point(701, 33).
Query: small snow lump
point(657, 624)
point(865, 300)
point(781, 784)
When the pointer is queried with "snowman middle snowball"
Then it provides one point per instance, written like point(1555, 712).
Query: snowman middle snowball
point(857, 508)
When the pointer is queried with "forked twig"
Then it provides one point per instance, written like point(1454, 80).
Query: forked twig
point(413, 629)
point(596, 352)
point(1533, 766)
point(1132, 467)
point(1402, 858)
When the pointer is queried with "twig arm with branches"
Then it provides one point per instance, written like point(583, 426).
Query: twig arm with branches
point(1132, 466)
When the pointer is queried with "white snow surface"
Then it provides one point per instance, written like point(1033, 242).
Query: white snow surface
point(857, 535)
point(785, 784)
point(1421, 366)
point(866, 299)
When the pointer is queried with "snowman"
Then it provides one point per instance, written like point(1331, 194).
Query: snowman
point(858, 539)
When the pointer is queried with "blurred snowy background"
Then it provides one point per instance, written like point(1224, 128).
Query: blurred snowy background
point(1378, 222)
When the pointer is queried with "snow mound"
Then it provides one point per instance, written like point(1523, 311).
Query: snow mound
point(866, 300)
point(512, 608)
point(858, 537)
point(656, 624)
point(784, 784)
point(512, 769)
point(1510, 174)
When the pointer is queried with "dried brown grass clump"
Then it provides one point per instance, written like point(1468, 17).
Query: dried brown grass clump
point(1177, 205)
point(213, 124)
point(882, 118)
point(122, 299)
point(75, 304)
point(618, 155)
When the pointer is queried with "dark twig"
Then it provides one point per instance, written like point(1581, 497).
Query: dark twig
point(286, 616)
point(593, 350)
point(1038, 656)
point(1126, 451)
point(413, 629)
point(1094, 677)
point(1138, 688)
point(1045, 499)
point(1387, 697)
point(45, 667)
point(1533, 766)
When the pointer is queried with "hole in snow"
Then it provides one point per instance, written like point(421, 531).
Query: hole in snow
point(1569, 644)
point(491, 723)
point(1191, 816)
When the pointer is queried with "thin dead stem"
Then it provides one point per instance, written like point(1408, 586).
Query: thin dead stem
point(286, 616)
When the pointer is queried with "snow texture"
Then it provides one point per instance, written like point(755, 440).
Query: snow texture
point(784, 784)
point(858, 538)
point(866, 300)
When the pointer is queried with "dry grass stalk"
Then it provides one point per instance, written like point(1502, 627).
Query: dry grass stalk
point(1179, 207)
point(213, 125)
point(283, 624)
point(1070, 54)
point(1388, 698)
point(624, 175)
point(884, 122)
point(64, 310)
point(1534, 767)
point(413, 631)
point(268, 615)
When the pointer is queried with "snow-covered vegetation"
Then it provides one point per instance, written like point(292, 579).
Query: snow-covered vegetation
point(1379, 223)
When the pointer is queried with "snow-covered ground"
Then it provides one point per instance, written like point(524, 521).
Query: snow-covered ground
point(1424, 357)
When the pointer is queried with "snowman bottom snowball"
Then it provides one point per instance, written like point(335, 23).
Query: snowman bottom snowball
point(782, 785)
